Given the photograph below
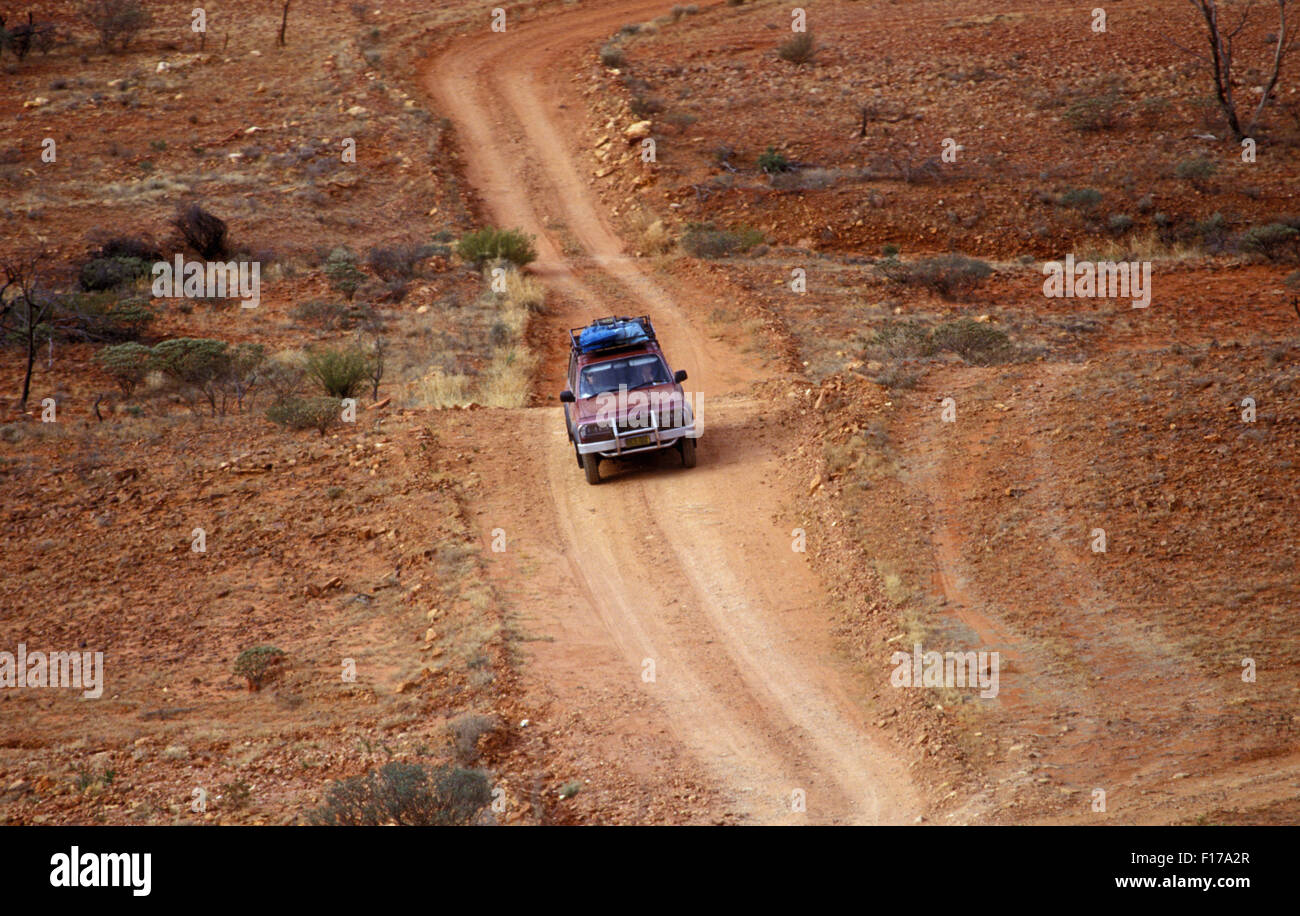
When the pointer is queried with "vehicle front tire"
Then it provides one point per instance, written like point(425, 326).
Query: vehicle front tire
point(591, 467)
point(688, 452)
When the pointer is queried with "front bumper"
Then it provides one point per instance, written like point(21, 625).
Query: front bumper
point(634, 441)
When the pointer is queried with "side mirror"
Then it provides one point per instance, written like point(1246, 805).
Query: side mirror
point(567, 397)
point(679, 376)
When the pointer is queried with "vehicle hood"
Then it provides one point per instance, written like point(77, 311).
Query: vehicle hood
point(614, 405)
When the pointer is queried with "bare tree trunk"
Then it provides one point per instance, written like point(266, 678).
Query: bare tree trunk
point(27, 376)
point(1279, 54)
point(1221, 60)
point(284, 21)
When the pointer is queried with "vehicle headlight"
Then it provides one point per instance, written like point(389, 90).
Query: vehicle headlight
point(590, 432)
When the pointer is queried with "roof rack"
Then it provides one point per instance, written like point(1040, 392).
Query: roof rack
point(612, 333)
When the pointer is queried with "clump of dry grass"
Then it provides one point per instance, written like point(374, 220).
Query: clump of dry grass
point(525, 292)
point(440, 389)
point(1140, 246)
point(507, 379)
point(656, 239)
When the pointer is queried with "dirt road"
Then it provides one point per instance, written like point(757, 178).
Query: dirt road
point(671, 621)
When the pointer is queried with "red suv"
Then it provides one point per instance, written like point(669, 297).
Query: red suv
point(622, 398)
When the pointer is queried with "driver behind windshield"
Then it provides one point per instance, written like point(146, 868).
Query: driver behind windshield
point(642, 375)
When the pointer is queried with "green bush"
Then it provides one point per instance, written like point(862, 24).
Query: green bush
point(397, 262)
point(702, 240)
point(209, 370)
point(898, 378)
point(103, 317)
point(117, 22)
point(901, 340)
point(1273, 241)
point(316, 413)
point(109, 273)
point(976, 342)
point(799, 49)
point(949, 275)
point(1195, 170)
point(258, 664)
point(1081, 198)
point(340, 371)
point(127, 363)
point(1119, 223)
point(1101, 112)
point(489, 244)
point(1210, 233)
point(343, 273)
point(770, 161)
point(405, 794)
point(191, 360)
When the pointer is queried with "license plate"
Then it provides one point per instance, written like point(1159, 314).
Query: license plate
point(638, 441)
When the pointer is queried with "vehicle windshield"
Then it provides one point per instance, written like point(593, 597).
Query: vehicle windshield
point(631, 372)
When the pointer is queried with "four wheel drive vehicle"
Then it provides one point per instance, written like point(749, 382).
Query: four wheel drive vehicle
point(622, 398)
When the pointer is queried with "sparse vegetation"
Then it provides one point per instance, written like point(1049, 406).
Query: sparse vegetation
point(235, 795)
point(1272, 241)
point(110, 273)
point(116, 22)
point(771, 162)
point(405, 794)
point(26, 309)
point(1081, 199)
point(340, 371)
point(1196, 170)
point(465, 733)
point(490, 244)
point(703, 240)
point(396, 262)
point(321, 314)
point(102, 317)
point(798, 49)
point(978, 343)
point(127, 363)
point(258, 665)
point(343, 273)
point(204, 232)
point(207, 370)
point(1094, 113)
point(951, 275)
point(318, 413)
point(611, 56)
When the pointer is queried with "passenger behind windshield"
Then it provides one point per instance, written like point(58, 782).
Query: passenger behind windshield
point(631, 372)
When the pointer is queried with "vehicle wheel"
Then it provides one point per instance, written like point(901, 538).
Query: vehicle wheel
point(591, 465)
point(688, 452)
point(572, 438)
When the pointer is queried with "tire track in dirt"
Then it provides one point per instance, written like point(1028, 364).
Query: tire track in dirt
point(688, 569)
point(1113, 693)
